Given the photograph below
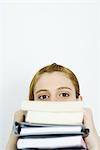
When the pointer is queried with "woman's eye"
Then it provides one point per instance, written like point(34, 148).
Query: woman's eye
point(64, 94)
point(43, 97)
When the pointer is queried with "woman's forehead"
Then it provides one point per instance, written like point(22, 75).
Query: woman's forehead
point(54, 79)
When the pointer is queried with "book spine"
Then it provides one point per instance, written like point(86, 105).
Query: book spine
point(52, 106)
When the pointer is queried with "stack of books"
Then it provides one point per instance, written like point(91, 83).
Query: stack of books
point(51, 125)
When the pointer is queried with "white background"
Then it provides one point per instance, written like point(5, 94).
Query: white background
point(38, 33)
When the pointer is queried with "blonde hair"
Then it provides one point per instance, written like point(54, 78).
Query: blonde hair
point(49, 69)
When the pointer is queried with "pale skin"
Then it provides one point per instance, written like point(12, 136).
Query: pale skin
point(58, 87)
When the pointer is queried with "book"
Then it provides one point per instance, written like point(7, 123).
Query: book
point(51, 130)
point(48, 106)
point(51, 125)
point(51, 142)
point(71, 148)
point(63, 118)
point(27, 129)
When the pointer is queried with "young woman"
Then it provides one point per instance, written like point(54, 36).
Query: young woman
point(57, 83)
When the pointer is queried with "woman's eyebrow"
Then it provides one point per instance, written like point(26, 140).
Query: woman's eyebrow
point(60, 88)
point(42, 90)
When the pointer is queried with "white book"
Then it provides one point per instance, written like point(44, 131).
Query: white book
point(46, 143)
point(47, 130)
point(68, 118)
point(48, 106)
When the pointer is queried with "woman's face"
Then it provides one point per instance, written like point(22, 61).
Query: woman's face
point(54, 87)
